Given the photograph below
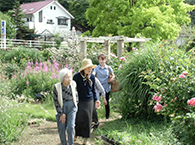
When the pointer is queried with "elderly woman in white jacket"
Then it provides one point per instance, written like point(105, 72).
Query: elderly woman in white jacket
point(65, 102)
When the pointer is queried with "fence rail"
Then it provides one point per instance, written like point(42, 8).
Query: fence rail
point(28, 43)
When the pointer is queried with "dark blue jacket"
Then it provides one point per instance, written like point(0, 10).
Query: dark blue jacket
point(86, 92)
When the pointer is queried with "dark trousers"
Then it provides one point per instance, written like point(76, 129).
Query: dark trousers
point(95, 116)
point(107, 107)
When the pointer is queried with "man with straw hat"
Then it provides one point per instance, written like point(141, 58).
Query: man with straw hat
point(87, 96)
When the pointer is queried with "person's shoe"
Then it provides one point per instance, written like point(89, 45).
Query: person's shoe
point(85, 141)
point(75, 138)
point(95, 126)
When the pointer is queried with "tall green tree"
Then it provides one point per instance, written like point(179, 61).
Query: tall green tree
point(17, 17)
point(10, 27)
point(78, 8)
point(156, 19)
point(6, 5)
point(192, 14)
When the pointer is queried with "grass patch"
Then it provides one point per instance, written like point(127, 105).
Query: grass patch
point(137, 131)
point(39, 110)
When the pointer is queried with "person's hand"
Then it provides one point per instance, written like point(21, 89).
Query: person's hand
point(97, 104)
point(63, 118)
point(105, 102)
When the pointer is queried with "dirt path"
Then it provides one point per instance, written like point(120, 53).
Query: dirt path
point(45, 133)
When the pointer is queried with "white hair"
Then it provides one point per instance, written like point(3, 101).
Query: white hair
point(62, 73)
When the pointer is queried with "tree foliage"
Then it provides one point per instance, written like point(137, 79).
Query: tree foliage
point(192, 14)
point(156, 19)
point(78, 9)
point(17, 17)
point(10, 27)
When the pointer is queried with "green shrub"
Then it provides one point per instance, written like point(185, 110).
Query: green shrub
point(12, 123)
point(21, 54)
point(134, 96)
point(10, 69)
point(172, 85)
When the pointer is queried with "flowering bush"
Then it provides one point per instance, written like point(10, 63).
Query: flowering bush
point(173, 86)
point(36, 81)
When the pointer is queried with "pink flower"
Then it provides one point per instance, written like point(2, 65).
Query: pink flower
point(66, 65)
point(45, 69)
point(191, 102)
point(38, 68)
point(120, 66)
point(184, 73)
point(41, 64)
point(158, 107)
point(29, 67)
point(134, 48)
point(27, 82)
point(122, 58)
point(182, 76)
point(156, 98)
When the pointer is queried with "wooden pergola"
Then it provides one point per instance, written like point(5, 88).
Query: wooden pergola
point(120, 40)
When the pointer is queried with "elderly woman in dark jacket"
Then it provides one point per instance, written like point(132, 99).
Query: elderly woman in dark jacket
point(65, 102)
point(87, 97)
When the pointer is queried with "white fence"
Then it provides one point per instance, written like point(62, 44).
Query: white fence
point(10, 43)
point(82, 42)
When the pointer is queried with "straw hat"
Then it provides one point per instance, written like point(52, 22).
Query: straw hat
point(86, 63)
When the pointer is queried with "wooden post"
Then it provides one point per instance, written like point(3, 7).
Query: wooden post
point(30, 43)
point(120, 46)
point(83, 50)
point(107, 47)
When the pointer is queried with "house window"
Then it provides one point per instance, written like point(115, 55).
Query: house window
point(50, 21)
point(29, 19)
point(51, 7)
point(62, 22)
point(54, 8)
point(40, 16)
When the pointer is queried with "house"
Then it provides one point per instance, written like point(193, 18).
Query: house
point(47, 17)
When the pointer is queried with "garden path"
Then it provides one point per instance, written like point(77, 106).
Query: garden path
point(46, 133)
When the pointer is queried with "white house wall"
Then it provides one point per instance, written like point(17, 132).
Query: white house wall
point(47, 13)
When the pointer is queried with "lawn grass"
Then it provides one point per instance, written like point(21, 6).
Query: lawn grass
point(39, 110)
point(137, 131)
